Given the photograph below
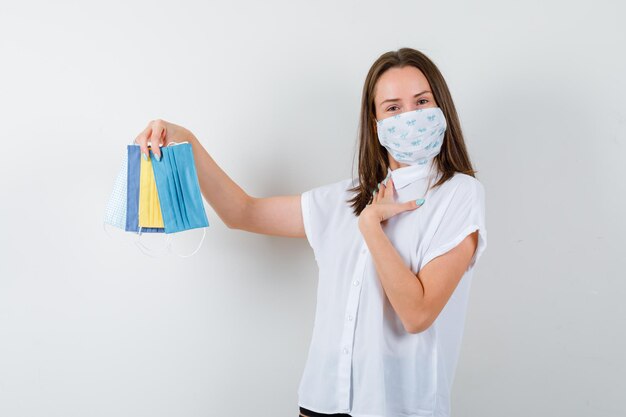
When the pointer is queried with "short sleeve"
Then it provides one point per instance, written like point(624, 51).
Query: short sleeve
point(464, 213)
point(316, 211)
point(305, 200)
point(320, 207)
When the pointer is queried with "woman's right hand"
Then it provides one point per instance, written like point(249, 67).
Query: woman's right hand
point(161, 133)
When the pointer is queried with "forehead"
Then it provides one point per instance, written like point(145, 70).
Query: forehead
point(400, 83)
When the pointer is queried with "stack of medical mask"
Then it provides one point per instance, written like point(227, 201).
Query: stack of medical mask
point(157, 196)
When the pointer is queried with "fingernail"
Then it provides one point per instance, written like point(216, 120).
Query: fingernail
point(419, 201)
point(158, 157)
point(143, 155)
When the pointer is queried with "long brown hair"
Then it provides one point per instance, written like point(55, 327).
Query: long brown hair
point(373, 157)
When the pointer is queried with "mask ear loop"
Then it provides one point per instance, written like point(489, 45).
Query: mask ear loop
point(197, 249)
point(148, 251)
point(104, 226)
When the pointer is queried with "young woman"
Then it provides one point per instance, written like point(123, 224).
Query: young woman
point(396, 247)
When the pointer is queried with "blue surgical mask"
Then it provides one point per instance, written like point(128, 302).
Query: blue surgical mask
point(178, 188)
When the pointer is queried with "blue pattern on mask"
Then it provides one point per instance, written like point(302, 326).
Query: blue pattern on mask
point(413, 137)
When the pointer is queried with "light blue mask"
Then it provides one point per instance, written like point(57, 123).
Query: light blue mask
point(178, 188)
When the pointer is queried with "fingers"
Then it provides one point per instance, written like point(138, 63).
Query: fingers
point(376, 194)
point(385, 189)
point(142, 140)
point(379, 192)
point(157, 135)
point(387, 184)
point(383, 193)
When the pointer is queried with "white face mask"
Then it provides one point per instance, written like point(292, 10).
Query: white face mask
point(413, 137)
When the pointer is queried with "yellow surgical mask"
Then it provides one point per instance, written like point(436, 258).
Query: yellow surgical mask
point(149, 205)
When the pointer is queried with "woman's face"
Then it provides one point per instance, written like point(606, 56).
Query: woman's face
point(399, 90)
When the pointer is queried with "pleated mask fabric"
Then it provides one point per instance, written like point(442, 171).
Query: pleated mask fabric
point(178, 188)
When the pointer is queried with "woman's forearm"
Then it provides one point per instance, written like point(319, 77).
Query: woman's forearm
point(226, 197)
point(403, 289)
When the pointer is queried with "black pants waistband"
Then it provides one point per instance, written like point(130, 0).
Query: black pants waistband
point(310, 413)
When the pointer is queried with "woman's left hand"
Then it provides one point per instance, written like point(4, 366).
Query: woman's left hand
point(383, 205)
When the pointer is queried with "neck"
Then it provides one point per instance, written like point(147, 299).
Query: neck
point(393, 164)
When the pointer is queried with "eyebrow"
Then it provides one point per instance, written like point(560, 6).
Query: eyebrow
point(397, 99)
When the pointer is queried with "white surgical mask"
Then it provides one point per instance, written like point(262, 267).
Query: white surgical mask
point(413, 137)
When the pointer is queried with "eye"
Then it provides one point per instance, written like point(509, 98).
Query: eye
point(391, 107)
point(422, 101)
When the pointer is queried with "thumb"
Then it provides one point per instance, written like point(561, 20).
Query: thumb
point(406, 206)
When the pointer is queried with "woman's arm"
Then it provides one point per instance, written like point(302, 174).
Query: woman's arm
point(278, 216)
point(417, 302)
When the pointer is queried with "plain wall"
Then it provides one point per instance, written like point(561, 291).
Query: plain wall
point(89, 326)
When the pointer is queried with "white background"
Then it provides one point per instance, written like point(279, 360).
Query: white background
point(89, 326)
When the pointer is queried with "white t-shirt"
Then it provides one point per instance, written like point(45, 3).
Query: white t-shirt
point(361, 360)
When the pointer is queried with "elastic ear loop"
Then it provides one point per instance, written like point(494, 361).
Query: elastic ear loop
point(197, 249)
point(104, 226)
point(203, 231)
point(176, 143)
point(150, 252)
